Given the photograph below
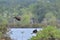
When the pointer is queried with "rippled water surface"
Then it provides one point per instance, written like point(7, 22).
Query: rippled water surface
point(22, 33)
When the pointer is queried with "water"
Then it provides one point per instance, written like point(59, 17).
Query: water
point(22, 33)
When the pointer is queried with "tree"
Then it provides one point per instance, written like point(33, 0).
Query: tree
point(50, 19)
point(26, 16)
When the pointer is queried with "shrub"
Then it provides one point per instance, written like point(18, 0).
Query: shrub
point(47, 33)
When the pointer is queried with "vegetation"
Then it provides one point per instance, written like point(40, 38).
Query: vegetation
point(3, 33)
point(34, 10)
point(47, 33)
point(34, 13)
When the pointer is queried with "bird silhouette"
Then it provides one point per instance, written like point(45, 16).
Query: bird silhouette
point(35, 31)
point(17, 18)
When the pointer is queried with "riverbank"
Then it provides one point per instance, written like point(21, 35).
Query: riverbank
point(26, 25)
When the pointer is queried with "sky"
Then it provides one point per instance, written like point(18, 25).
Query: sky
point(22, 33)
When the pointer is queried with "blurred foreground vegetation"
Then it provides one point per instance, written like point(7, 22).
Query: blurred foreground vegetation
point(4, 33)
point(47, 33)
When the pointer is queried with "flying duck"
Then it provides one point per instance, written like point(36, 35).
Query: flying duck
point(17, 18)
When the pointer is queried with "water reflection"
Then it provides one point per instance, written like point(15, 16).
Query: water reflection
point(22, 33)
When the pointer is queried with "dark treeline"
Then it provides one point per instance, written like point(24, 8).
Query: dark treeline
point(30, 11)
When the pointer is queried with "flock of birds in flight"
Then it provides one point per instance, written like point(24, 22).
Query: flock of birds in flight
point(19, 19)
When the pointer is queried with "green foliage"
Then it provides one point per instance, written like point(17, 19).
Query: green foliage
point(3, 30)
point(3, 20)
point(26, 16)
point(28, 9)
point(50, 18)
point(46, 33)
point(25, 19)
